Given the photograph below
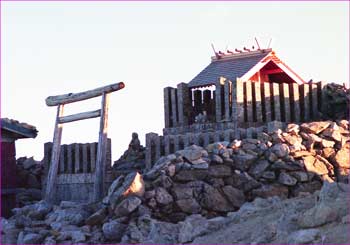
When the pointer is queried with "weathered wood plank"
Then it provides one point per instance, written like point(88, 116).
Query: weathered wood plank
point(249, 97)
point(267, 100)
point(182, 103)
point(69, 159)
point(167, 105)
point(286, 96)
point(73, 97)
point(80, 116)
point(62, 159)
point(77, 158)
point(218, 105)
point(52, 175)
point(276, 101)
point(101, 151)
point(239, 111)
point(85, 158)
point(306, 102)
point(258, 105)
point(296, 102)
point(227, 88)
point(93, 147)
point(174, 107)
point(315, 114)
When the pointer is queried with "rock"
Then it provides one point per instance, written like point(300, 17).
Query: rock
point(171, 170)
point(212, 199)
point(266, 191)
point(314, 127)
point(280, 150)
point(127, 206)
point(300, 154)
point(133, 184)
point(77, 236)
point(333, 134)
point(216, 159)
point(341, 158)
point(327, 143)
point(39, 210)
point(163, 197)
point(219, 171)
point(292, 128)
point(29, 162)
point(242, 181)
point(314, 165)
point(182, 192)
point(113, 230)
point(50, 240)
point(308, 187)
point(161, 164)
point(258, 168)
point(203, 165)
point(73, 216)
point(189, 206)
point(193, 226)
point(289, 166)
point(268, 175)
point(191, 153)
point(22, 221)
point(32, 182)
point(303, 236)
point(300, 176)
point(235, 196)
point(32, 238)
point(286, 179)
point(328, 152)
point(274, 126)
point(68, 204)
point(317, 216)
point(243, 161)
point(191, 175)
point(97, 218)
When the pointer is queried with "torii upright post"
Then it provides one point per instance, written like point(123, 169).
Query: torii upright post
point(60, 101)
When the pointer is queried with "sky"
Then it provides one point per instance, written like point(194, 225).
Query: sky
point(52, 48)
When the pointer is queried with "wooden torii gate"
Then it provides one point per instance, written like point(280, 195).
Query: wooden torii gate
point(60, 101)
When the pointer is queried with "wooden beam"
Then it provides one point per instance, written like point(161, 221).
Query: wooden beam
point(73, 97)
point(80, 116)
point(55, 155)
point(101, 149)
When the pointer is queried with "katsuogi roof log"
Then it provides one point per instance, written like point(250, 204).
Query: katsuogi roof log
point(73, 97)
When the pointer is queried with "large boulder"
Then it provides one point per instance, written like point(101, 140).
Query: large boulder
point(127, 206)
point(235, 196)
point(211, 199)
point(163, 197)
point(113, 230)
point(189, 206)
point(314, 165)
point(314, 127)
point(120, 189)
point(266, 191)
point(244, 161)
point(342, 158)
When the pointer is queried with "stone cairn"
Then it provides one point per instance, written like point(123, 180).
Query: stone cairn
point(29, 173)
point(197, 184)
point(133, 158)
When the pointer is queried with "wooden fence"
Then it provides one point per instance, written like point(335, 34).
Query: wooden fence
point(243, 103)
point(76, 170)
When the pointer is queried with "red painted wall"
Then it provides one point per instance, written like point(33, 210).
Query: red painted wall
point(8, 177)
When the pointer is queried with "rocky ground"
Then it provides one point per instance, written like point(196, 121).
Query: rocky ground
point(264, 190)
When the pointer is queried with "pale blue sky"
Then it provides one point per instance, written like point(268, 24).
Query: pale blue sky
point(51, 48)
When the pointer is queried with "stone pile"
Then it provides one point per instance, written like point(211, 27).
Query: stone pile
point(29, 173)
point(224, 175)
point(198, 190)
point(338, 101)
